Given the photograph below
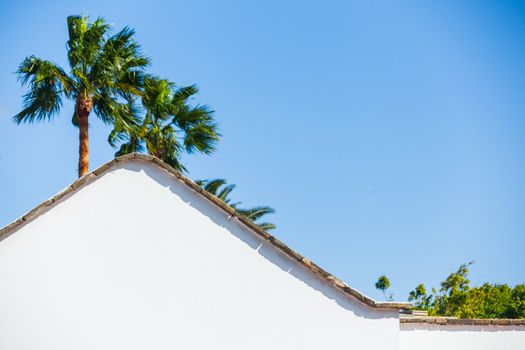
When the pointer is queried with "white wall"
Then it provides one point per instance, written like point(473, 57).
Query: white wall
point(447, 337)
point(135, 260)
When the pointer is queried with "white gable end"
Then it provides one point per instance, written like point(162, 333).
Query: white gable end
point(138, 260)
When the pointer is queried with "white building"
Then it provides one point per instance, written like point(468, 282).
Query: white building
point(136, 256)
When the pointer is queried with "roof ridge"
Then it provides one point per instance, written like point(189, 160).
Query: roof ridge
point(314, 268)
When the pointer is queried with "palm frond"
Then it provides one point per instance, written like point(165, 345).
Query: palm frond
point(181, 95)
point(133, 145)
point(126, 132)
point(77, 26)
point(223, 193)
point(111, 111)
point(156, 97)
point(47, 83)
point(85, 42)
point(256, 212)
point(200, 130)
point(117, 136)
point(161, 142)
point(202, 137)
point(211, 185)
point(175, 163)
point(119, 65)
point(186, 116)
point(123, 51)
point(128, 83)
point(267, 226)
point(200, 182)
point(220, 189)
point(233, 205)
point(34, 71)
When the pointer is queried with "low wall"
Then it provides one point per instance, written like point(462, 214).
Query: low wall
point(451, 334)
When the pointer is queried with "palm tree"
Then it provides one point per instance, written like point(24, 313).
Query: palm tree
point(220, 189)
point(106, 74)
point(170, 125)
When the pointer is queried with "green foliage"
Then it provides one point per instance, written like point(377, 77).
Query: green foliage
point(169, 126)
point(221, 189)
point(419, 297)
point(457, 298)
point(106, 71)
point(382, 284)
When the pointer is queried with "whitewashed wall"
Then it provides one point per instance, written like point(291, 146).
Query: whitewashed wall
point(446, 337)
point(135, 260)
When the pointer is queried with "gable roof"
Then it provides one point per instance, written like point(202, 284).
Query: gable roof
point(274, 242)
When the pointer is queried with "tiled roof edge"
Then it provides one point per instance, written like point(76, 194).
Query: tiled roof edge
point(45, 205)
point(453, 321)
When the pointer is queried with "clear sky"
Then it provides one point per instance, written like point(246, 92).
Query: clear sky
point(388, 137)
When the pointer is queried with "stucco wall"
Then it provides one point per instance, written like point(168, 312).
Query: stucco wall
point(447, 337)
point(136, 260)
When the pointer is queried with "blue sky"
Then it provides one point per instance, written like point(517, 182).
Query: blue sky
point(388, 137)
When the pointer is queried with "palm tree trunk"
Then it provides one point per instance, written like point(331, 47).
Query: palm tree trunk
point(83, 108)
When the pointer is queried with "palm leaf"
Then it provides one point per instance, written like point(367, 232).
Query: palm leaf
point(47, 83)
point(223, 194)
point(256, 212)
point(220, 189)
point(267, 226)
point(212, 185)
point(182, 94)
point(85, 42)
point(133, 145)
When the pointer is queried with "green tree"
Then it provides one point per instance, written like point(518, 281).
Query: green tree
point(454, 292)
point(382, 284)
point(106, 75)
point(170, 124)
point(220, 189)
point(420, 298)
point(457, 298)
point(516, 309)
